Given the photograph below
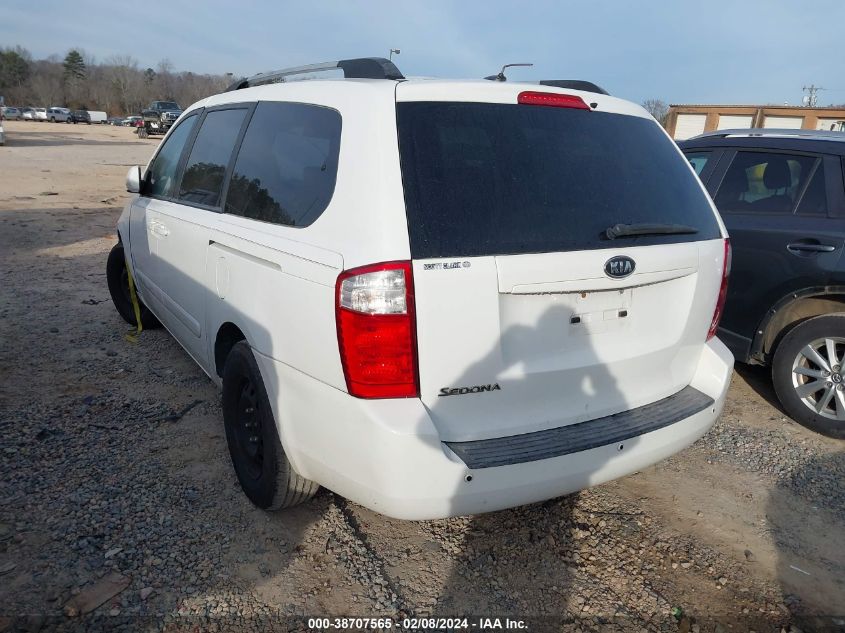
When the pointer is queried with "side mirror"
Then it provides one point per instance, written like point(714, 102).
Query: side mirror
point(133, 180)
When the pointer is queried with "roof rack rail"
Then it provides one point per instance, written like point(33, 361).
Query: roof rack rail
point(359, 68)
point(773, 132)
point(574, 84)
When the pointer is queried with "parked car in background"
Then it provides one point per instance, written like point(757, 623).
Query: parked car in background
point(59, 115)
point(781, 196)
point(11, 114)
point(2, 135)
point(133, 120)
point(97, 116)
point(159, 116)
point(40, 114)
point(80, 116)
point(28, 114)
point(115, 120)
point(435, 298)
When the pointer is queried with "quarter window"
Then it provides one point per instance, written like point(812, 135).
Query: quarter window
point(760, 182)
point(286, 168)
point(202, 182)
point(698, 160)
point(162, 171)
point(814, 200)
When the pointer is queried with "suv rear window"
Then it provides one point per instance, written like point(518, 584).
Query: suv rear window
point(497, 179)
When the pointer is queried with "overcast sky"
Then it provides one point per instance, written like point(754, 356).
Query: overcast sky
point(681, 51)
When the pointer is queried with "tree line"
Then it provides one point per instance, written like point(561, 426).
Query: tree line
point(118, 85)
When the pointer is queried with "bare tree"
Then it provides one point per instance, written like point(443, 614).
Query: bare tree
point(126, 81)
point(657, 108)
point(118, 85)
point(166, 82)
point(46, 85)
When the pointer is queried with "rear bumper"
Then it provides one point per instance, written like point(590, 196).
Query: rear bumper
point(387, 455)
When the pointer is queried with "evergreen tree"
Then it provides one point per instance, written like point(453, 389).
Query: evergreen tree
point(74, 66)
point(14, 69)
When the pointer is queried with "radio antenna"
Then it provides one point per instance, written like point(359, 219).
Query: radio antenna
point(501, 75)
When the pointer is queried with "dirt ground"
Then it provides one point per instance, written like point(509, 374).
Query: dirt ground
point(115, 468)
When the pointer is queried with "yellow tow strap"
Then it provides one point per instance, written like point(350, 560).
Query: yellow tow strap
point(132, 335)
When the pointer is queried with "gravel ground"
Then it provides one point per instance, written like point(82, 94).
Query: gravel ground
point(117, 495)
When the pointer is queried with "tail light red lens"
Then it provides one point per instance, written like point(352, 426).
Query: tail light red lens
point(376, 330)
point(551, 99)
point(723, 292)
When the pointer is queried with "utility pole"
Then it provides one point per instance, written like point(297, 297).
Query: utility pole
point(812, 98)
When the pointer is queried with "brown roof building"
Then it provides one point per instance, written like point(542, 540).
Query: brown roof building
point(685, 121)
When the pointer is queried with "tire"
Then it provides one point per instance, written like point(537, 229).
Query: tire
point(812, 408)
point(118, 279)
point(263, 470)
point(52, 119)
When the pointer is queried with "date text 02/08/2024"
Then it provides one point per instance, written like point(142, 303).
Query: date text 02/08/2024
point(417, 624)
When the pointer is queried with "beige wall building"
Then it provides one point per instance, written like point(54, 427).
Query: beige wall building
point(685, 121)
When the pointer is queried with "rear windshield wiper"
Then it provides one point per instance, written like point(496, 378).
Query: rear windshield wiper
point(629, 230)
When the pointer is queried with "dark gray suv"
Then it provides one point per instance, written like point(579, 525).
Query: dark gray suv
point(781, 196)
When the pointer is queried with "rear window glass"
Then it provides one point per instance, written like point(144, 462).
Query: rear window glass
point(498, 179)
point(287, 166)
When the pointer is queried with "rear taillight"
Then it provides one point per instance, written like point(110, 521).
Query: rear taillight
point(376, 330)
point(551, 99)
point(723, 291)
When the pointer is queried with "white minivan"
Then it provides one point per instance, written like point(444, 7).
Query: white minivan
point(432, 297)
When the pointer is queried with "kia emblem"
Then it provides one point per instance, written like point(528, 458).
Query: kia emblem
point(619, 267)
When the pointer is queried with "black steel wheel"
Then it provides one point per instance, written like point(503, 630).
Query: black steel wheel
point(247, 430)
point(117, 277)
point(262, 468)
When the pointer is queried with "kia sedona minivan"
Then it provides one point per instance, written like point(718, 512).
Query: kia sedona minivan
point(432, 297)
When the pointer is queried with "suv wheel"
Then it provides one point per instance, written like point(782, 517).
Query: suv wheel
point(117, 277)
point(808, 372)
point(262, 468)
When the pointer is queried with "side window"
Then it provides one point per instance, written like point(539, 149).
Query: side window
point(162, 171)
point(760, 182)
point(202, 182)
point(287, 165)
point(814, 200)
point(698, 160)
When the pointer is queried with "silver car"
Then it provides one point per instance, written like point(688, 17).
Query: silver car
point(59, 115)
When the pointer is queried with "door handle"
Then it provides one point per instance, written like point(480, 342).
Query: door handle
point(801, 247)
point(158, 228)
